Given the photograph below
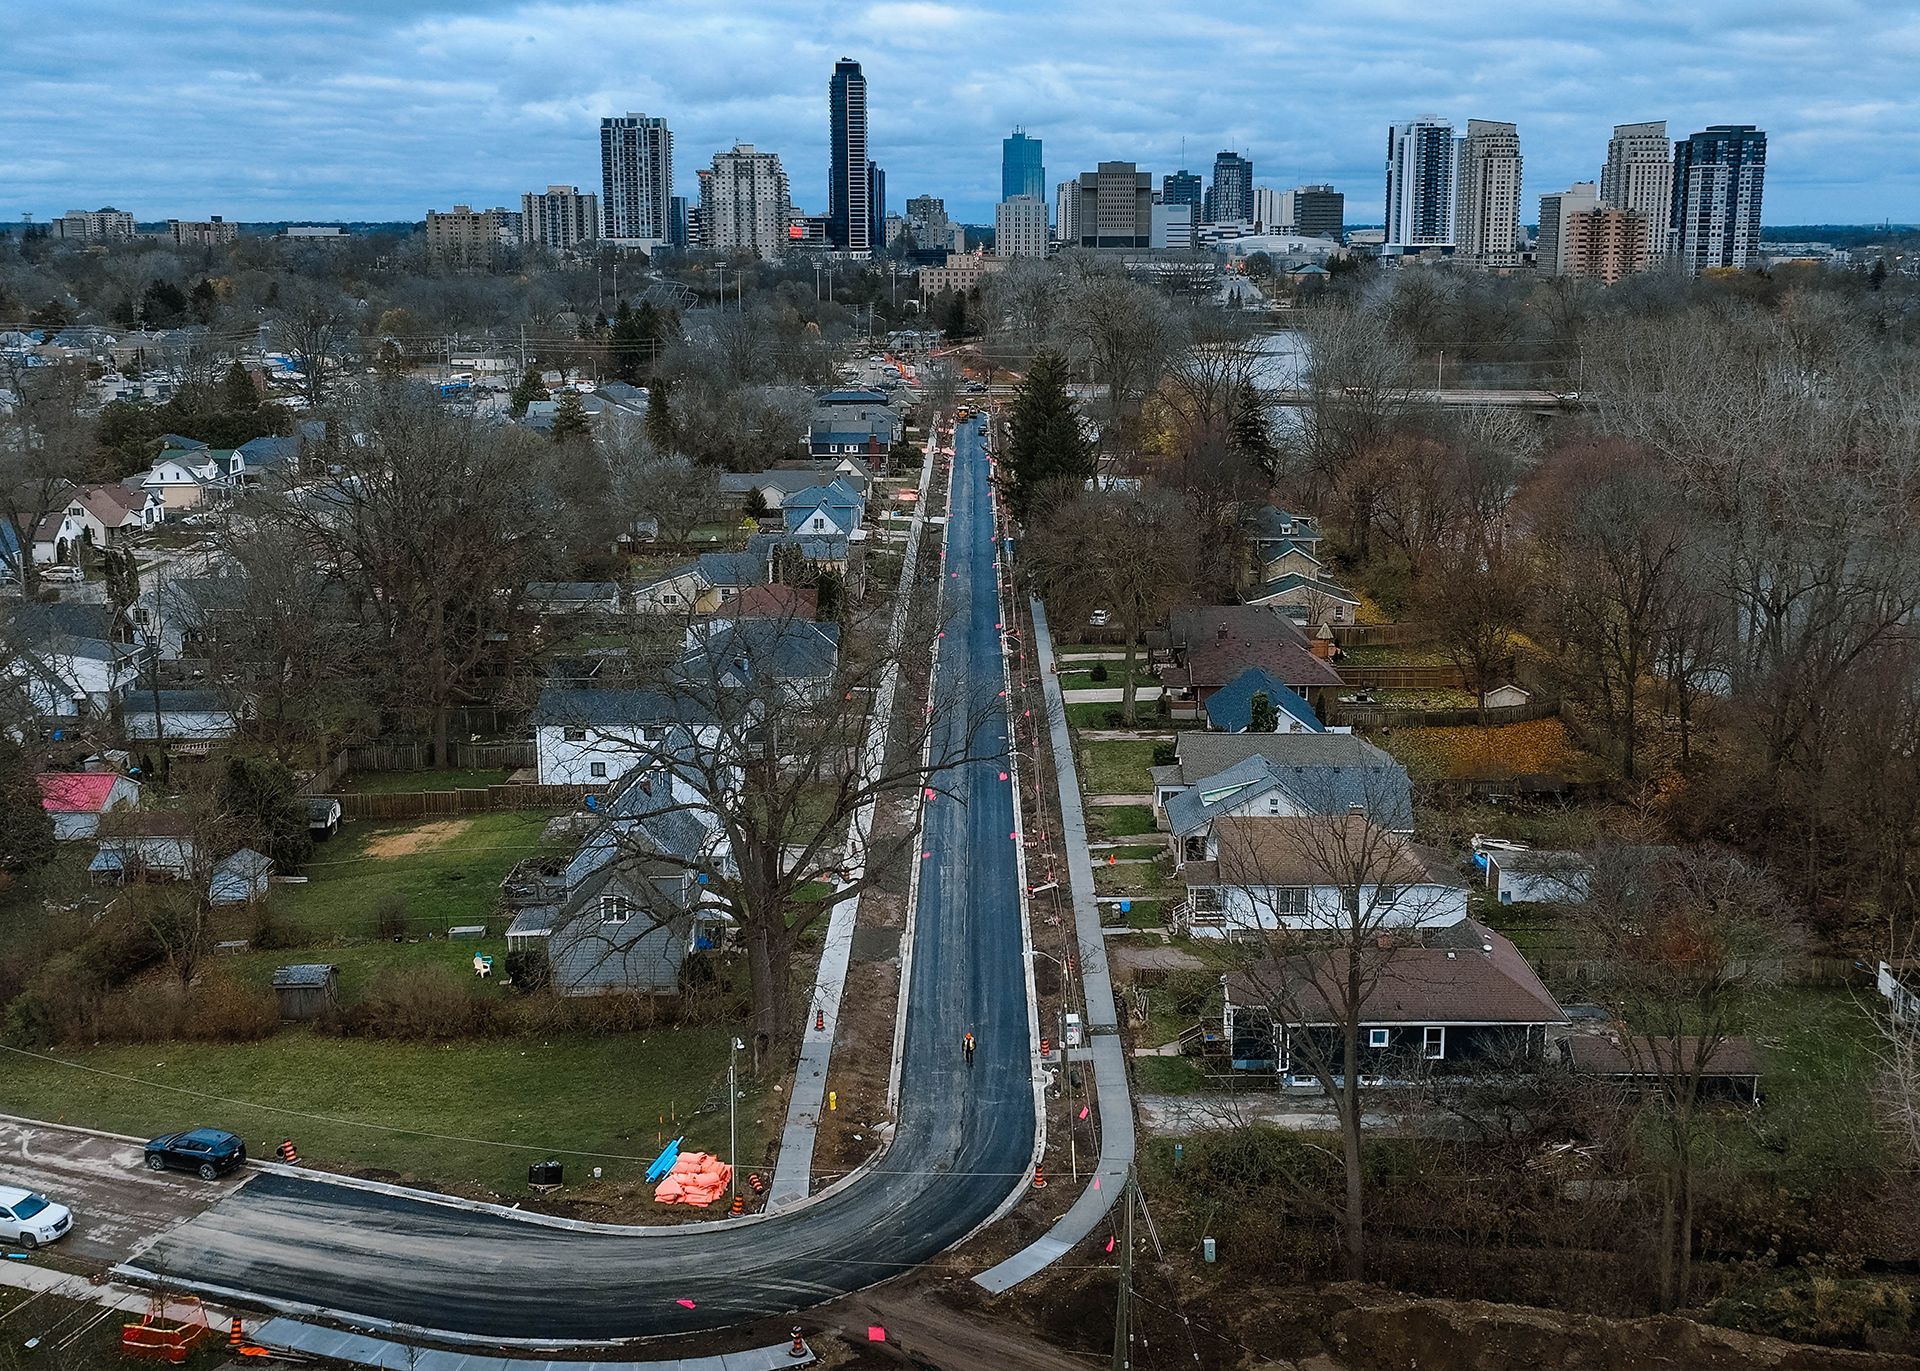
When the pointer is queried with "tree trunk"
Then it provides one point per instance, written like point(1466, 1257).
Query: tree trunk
point(1127, 688)
point(1668, 1227)
point(1354, 1237)
point(770, 968)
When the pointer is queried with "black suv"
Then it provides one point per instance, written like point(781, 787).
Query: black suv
point(208, 1152)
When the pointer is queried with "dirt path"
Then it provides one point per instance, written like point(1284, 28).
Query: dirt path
point(924, 1332)
point(421, 838)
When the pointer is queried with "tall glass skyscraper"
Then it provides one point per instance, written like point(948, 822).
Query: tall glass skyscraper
point(849, 201)
point(1021, 169)
point(1420, 167)
point(1181, 188)
point(636, 178)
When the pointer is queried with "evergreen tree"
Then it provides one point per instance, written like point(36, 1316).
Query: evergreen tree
point(26, 830)
point(660, 416)
point(954, 317)
point(204, 299)
point(1261, 716)
point(237, 393)
point(570, 420)
point(1047, 446)
point(1249, 434)
point(525, 392)
point(262, 798)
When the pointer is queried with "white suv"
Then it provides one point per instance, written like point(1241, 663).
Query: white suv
point(30, 1219)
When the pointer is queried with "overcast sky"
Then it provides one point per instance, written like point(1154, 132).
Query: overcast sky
point(381, 109)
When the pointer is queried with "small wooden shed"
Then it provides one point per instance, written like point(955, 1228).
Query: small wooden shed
point(306, 990)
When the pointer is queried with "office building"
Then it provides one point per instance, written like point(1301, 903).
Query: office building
point(876, 205)
point(471, 236)
point(927, 222)
point(1420, 168)
point(636, 179)
point(202, 233)
point(895, 227)
point(1718, 177)
point(1066, 206)
point(1020, 227)
point(1486, 219)
point(1182, 188)
point(1603, 244)
point(678, 233)
point(963, 273)
point(1230, 201)
point(1639, 177)
point(1319, 212)
point(1113, 208)
point(1174, 227)
point(1272, 209)
point(1021, 170)
point(1549, 249)
point(106, 225)
point(744, 205)
point(559, 218)
point(849, 212)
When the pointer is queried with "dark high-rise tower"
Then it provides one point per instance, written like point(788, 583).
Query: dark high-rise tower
point(1181, 188)
point(849, 204)
point(876, 206)
point(1231, 198)
point(1718, 176)
point(1021, 170)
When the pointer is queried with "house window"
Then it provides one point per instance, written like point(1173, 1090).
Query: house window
point(617, 909)
point(597, 770)
point(574, 735)
point(1386, 896)
point(652, 733)
point(1290, 901)
point(1433, 1044)
point(1195, 848)
point(1379, 1037)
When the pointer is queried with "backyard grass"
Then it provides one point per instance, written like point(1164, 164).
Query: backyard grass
point(1116, 768)
point(1169, 1076)
point(1469, 751)
point(362, 960)
point(497, 1104)
point(1106, 714)
point(1413, 654)
point(1421, 697)
point(1817, 1068)
point(1119, 821)
point(1116, 678)
point(442, 778)
point(447, 871)
point(1144, 878)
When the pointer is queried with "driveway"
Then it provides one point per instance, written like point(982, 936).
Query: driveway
point(118, 1205)
point(963, 1147)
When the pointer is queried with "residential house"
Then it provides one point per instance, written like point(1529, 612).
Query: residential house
point(1535, 876)
point(857, 423)
point(1230, 708)
point(58, 536)
point(144, 847)
point(115, 510)
point(67, 661)
point(673, 592)
point(796, 657)
point(76, 799)
point(1306, 599)
point(1301, 773)
point(241, 878)
point(1278, 541)
point(834, 509)
point(1212, 645)
point(1457, 1000)
point(1263, 872)
point(773, 487)
point(628, 910)
point(269, 458)
point(188, 722)
point(595, 737)
point(573, 597)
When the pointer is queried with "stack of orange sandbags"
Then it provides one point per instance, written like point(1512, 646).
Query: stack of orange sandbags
point(697, 1178)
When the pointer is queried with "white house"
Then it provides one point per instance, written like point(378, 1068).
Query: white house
point(672, 592)
point(1306, 599)
point(594, 737)
point(181, 717)
point(1536, 876)
point(76, 800)
point(1267, 873)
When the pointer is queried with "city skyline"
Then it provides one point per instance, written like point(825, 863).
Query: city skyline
point(482, 103)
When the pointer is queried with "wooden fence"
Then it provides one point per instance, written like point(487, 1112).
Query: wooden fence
point(1381, 635)
point(1386, 716)
point(1431, 677)
point(436, 804)
point(415, 756)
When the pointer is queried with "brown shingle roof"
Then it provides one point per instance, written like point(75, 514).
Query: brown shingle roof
point(1218, 642)
point(1477, 978)
point(1277, 849)
point(1601, 1055)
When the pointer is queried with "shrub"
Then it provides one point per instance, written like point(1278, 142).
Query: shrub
point(270, 931)
point(1099, 672)
point(390, 917)
point(219, 1010)
point(430, 1003)
point(1164, 754)
point(1189, 992)
point(529, 971)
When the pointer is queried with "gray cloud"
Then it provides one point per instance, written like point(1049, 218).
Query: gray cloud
point(355, 109)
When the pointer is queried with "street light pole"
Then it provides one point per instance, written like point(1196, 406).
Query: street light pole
point(733, 1117)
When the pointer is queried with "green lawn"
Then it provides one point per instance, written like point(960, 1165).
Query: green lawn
point(1116, 677)
point(1119, 821)
point(443, 778)
point(1817, 1067)
point(1106, 714)
point(1116, 768)
point(1422, 654)
point(536, 1096)
point(1169, 1075)
point(363, 959)
point(452, 877)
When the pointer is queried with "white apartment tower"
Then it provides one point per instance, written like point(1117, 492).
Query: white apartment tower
point(744, 204)
point(1020, 227)
point(1420, 169)
point(95, 225)
point(559, 218)
point(636, 178)
point(1486, 223)
point(1066, 202)
point(1639, 177)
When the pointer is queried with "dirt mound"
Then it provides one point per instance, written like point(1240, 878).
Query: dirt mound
point(420, 838)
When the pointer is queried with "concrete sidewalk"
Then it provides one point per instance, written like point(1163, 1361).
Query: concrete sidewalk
point(793, 1168)
point(310, 1339)
point(1112, 695)
point(1103, 1025)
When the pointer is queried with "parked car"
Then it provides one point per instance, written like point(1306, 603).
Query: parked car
point(1098, 619)
point(29, 1219)
point(62, 573)
point(207, 1152)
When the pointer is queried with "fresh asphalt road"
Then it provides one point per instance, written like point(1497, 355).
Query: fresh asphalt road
point(964, 1142)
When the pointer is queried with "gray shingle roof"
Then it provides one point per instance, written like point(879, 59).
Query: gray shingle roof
point(1327, 773)
point(560, 707)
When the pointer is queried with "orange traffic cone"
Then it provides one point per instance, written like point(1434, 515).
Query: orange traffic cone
point(288, 1153)
point(234, 1335)
point(799, 1348)
point(819, 1019)
point(1039, 1178)
point(739, 1204)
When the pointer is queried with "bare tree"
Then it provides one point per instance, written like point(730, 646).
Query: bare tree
point(1126, 334)
point(314, 324)
point(46, 449)
point(677, 493)
point(1682, 943)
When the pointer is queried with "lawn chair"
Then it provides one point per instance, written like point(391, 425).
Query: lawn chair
point(482, 966)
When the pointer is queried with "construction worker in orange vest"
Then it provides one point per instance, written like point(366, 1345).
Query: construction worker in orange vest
point(966, 1045)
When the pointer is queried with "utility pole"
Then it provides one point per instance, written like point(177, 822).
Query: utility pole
point(1123, 1293)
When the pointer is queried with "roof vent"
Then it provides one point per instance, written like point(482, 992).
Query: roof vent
point(1450, 956)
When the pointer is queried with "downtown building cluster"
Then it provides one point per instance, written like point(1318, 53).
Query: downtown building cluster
point(1695, 204)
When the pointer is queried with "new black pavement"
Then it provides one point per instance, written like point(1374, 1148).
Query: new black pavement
point(965, 1136)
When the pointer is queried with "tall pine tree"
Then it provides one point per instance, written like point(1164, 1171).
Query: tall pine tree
point(1047, 447)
